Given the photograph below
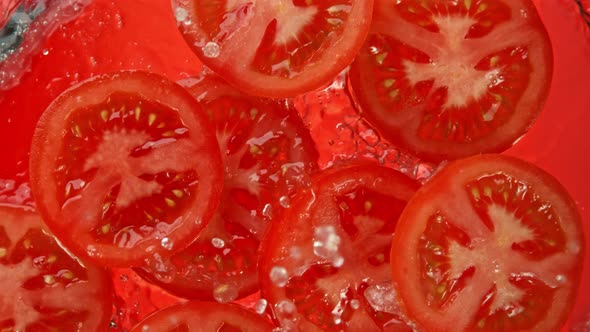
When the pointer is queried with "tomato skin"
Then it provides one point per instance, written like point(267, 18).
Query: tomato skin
point(47, 143)
point(204, 316)
point(414, 116)
point(85, 295)
point(315, 282)
point(440, 194)
point(237, 44)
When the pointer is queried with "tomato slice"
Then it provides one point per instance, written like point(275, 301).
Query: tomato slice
point(125, 169)
point(203, 316)
point(447, 80)
point(491, 243)
point(275, 48)
point(325, 266)
point(45, 289)
point(267, 152)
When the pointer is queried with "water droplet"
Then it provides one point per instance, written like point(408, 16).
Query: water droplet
point(285, 202)
point(286, 313)
point(145, 328)
point(261, 306)
point(225, 293)
point(267, 211)
point(338, 261)
point(211, 50)
point(167, 244)
point(45, 52)
point(217, 243)
point(279, 276)
point(326, 244)
point(562, 279)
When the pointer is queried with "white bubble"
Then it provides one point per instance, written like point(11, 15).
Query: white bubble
point(181, 14)
point(285, 202)
point(145, 328)
point(338, 261)
point(217, 243)
point(286, 313)
point(225, 293)
point(279, 276)
point(355, 304)
point(211, 50)
point(261, 306)
point(562, 279)
point(167, 244)
point(326, 244)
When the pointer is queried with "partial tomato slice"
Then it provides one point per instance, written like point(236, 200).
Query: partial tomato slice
point(325, 266)
point(204, 316)
point(267, 154)
point(275, 48)
point(125, 168)
point(42, 287)
point(451, 79)
point(491, 243)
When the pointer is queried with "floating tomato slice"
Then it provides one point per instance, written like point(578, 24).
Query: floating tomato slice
point(203, 316)
point(43, 288)
point(451, 79)
point(491, 243)
point(325, 266)
point(267, 154)
point(125, 168)
point(275, 48)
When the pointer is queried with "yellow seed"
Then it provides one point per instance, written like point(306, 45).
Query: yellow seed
point(487, 191)
point(551, 243)
point(178, 193)
point(68, 275)
point(3, 252)
point(481, 8)
point(388, 83)
point(254, 149)
point(380, 258)
point(104, 114)
point(137, 113)
point(161, 125)
point(105, 228)
point(368, 206)
point(149, 216)
point(170, 202)
point(253, 113)
point(27, 244)
point(393, 94)
point(76, 130)
point(151, 119)
point(467, 4)
point(494, 61)
point(441, 289)
point(274, 150)
point(505, 194)
point(475, 193)
point(169, 133)
point(51, 259)
point(49, 279)
point(380, 58)
point(481, 323)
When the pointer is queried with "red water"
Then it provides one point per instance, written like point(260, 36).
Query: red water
point(141, 34)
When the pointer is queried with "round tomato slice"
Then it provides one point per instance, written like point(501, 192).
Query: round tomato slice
point(125, 169)
point(275, 48)
point(447, 80)
point(325, 266)
point(491, 243)
point(267, 154)
point(43, 288)
point(205, 317)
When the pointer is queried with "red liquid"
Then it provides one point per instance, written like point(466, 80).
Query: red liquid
point(141, 34)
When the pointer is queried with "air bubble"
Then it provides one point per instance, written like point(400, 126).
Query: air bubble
point(261, 306)
point(217, 243)
point(279, 276)
point(145, 328)
point(211, 50)
point(267, 211)
point(562, 279)
point(225, 293)
point(286, 313)
point(285, 202)
point(167, 244)
point(181, 14)
point(338, 261)
point(355, 304)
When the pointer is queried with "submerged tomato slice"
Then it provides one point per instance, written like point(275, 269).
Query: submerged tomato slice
point(125, 168)
point(267, 154)
point(203, 316)
point(325, 266)
point(43, 288)
point(275, 48)
point(491, 243)
point(451, 79)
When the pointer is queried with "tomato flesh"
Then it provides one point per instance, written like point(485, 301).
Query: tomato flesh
point(125, 169)
point(267, 152)
point(489, 244)
point(472, 79)
point(44, 288)
point(203, 316)
point(275, 48)
point(332, 275)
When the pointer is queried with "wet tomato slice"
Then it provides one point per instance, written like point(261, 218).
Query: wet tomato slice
point(267, 154)
point(490, 243)
point(43, 288)
point(325, 266)
point(204, 316)
point(125, 168)
point(275, 48)
point(447, 80)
